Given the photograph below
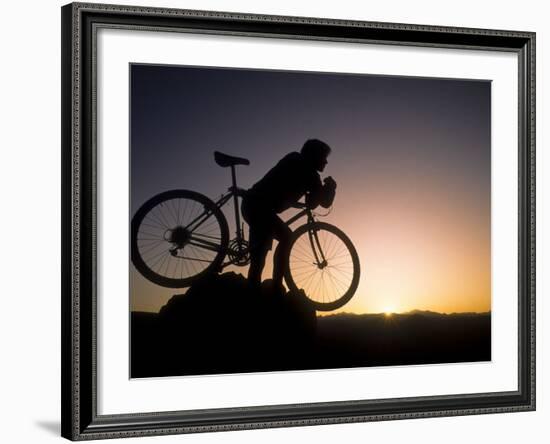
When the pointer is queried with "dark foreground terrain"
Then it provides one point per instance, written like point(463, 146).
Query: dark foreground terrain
point(220, 326)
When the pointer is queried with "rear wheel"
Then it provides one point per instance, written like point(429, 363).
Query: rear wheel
point(177, 237)
point(322, 262)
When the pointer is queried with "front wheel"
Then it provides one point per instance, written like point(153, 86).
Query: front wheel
point(322, 262)
point(177, 237)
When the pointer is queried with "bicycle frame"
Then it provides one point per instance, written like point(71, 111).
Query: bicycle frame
point(234, 192)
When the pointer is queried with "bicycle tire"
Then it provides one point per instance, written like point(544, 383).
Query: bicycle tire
point(159, 221)
point(346, 247)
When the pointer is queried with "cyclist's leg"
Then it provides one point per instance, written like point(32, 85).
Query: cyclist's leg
point(257, 261)
point(259, 239)
point(283, 234)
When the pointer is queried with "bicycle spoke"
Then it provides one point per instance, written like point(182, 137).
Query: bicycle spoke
point(168, 215)
point(195, 213)
point(298, 276)
point(304, 261)
point(155, 220)
point(338, 280)
point(310, 280)
point(174, 212)
point(344, 253)
point(341, 263)
point(306, 277)
point(166, 261)
point(161, 216)
point(304, 253)
point(151, 234)
point(175, 263)
point(333, 287)
point(148, 241)
point(153, 226)
point(347, 275)
point(336, 287)
point(156, 254)
point(160, 261)
point(330, 244)
point(150, 249)
point(209, 224)
point(201, 254)
point(192, 263)
point(317, 286)
point(341, 250)
point(168, 264)
point(304, 266)
point(324, 242)
point(184, 212)
point(344, 272)
point(185, 263)
point(178, 212)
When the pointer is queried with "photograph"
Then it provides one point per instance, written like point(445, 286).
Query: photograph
point(288, 220)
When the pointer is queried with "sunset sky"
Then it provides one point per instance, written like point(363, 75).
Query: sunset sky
point(411, 156)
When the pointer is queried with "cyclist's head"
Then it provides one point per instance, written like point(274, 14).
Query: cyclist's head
point(316, 153)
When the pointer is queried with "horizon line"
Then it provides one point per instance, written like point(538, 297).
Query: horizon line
point(382, 313)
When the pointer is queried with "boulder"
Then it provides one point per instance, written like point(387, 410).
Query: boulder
point(222, 325)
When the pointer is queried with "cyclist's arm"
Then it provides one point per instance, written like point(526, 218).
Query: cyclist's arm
point(320, 195)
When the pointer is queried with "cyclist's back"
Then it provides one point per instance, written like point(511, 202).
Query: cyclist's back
point(286, 183)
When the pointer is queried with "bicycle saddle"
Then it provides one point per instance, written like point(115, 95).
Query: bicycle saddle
point(225, 160)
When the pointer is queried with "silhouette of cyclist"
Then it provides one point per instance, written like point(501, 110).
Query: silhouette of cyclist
point(295, 175)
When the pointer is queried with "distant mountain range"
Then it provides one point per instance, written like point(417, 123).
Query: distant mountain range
point(411, 312)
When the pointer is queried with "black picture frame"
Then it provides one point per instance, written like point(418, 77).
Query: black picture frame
point(80, 419)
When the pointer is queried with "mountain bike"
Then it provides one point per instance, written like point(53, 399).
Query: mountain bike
point(180, 236)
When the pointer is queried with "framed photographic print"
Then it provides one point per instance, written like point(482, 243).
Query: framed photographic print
point(279, 221)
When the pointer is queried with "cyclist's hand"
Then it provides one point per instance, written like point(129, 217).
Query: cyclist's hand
point(330, 182)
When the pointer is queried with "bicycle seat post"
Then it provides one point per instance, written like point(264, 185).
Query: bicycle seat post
point(233, 177)
point(236, 203)
point(225, 160)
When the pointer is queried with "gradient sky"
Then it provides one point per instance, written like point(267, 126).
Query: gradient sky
point(411, 156)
